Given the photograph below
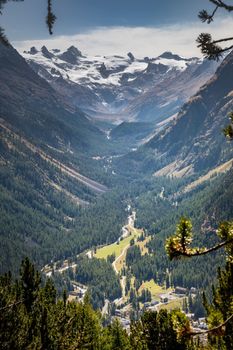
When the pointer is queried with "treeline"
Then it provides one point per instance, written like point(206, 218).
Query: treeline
point(100, 277)
point(42, 222)
point(206, 206)
point(32, 317)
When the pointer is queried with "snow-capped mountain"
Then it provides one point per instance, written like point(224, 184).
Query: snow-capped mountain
point(117, 88)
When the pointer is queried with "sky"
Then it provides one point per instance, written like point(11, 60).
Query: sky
point(106, 27)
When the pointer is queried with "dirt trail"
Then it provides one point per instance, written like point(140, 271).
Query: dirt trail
point(95, 186)
point(125, 229)
point(118, 258)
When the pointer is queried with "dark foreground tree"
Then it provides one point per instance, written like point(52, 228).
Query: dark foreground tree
point(209, 47)
point(220, 311)
point(161, 331)
point(33, 317)
point(179, 245)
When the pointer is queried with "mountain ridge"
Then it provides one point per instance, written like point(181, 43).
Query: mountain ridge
point(114, 86)
point(195, 138)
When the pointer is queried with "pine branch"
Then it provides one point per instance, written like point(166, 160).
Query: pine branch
point(206, 17)
point(51, 18)
point(178, 246)
point(210, 48)
point(222, 40)
point(218, 55)
point(198, 252)
point(212, 330)
point(12, 305)
point(226, 49)
point(221, 4)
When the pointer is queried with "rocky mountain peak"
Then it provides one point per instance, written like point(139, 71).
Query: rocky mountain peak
point(33, 51)
point(194, 139)
point(156, 68)
point(147, 59)
point(169, 55)
point(103, 71)
point(71, 55)
point(131, 56)
point(72, 49)
point(46, 52)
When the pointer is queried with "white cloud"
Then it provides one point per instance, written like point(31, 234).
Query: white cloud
point(141, 41)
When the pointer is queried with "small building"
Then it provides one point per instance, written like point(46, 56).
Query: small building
point(201, 319)
point(181, 290)
point(118, 313)
point(77, 293)
point(125, 322)
point(190, 316)
point(147, 304)
point(203, 325)
point(195, 324)
point(193, 290)
point(164, 299)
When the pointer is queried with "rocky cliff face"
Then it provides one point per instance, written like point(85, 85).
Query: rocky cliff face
point(167, 96)
point(195, 140)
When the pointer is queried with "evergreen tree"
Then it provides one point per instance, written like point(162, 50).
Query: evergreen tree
point(33, 317)
point(220, 312)
point(158, 330)
point(119, 337)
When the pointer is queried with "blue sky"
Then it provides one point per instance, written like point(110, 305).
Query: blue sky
point(25, 20)
point(85, 21)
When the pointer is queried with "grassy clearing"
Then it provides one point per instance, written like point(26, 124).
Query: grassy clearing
point(121, 262)
point(142, 245)
point(115, 248)
point(154, 288)
point(72, 298)
point(157, 290)
point(172, 305)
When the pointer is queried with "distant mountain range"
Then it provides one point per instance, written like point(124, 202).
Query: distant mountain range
point(117, 88)
point(142, 96)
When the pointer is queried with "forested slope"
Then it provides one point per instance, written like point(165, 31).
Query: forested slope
point(47, 171)
point(207, 206)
